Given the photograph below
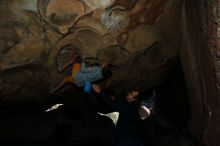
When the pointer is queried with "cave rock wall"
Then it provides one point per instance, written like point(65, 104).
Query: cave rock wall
point(141, 38)
point(200, 59)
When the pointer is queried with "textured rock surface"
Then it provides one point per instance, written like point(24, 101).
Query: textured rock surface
point(141, 37)
point(34, 32)
point(62, 14)
point(200, 59)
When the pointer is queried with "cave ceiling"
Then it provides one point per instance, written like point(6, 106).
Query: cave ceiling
point(139, 37)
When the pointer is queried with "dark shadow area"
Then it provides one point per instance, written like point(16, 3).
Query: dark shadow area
point(77, 122)
point(84, 142)
point(69, 125)
point(172, 98)
point(169, 127)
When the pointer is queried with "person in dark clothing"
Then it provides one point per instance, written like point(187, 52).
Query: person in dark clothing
point(129, 129)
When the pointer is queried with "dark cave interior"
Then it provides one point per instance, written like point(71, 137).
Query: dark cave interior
point(169, 46)
point(77, 123)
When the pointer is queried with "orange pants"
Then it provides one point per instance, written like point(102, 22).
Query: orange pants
point(75, 69)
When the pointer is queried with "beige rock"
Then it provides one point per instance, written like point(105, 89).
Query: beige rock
point(18, 6)
point(141, 37)
point(92, 23)
point(108, 40)
point(87, 40)
point(115, 19)
point(26, 52)
point(98, 4)
point(53, 36)
point(29, 50)
point(61, 13)
point(113, 55)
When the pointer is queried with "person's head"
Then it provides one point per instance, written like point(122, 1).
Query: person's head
point(132, 96)
point(106, 71)
point(104, 65)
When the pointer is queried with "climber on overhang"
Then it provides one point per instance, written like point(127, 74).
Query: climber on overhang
point(83, 74)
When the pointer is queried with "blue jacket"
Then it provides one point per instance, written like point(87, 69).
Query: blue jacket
point(90, 74)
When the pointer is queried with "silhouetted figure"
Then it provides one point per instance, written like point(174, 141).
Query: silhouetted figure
point(129, 129)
